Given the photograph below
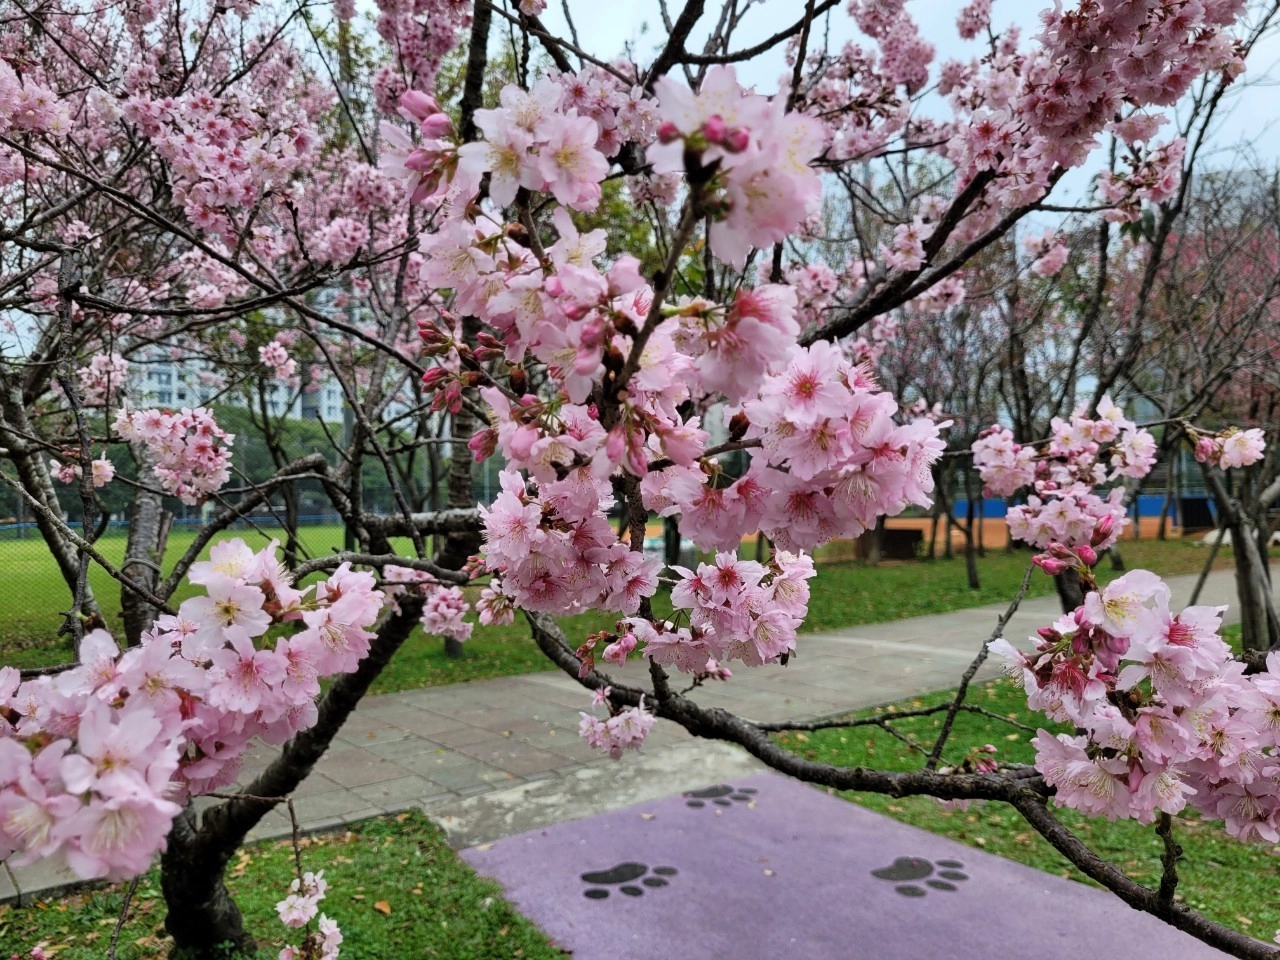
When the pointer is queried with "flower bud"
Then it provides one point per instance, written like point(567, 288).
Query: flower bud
point(737, 140)
point(668, 132)
point(434, 378)
point(714, 128)
point(416, 105)
point(1050, 565)
point(483, 444)
point(1087, 554)
point(436, 126)
point(1102, 531)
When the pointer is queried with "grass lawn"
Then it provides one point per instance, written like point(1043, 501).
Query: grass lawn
point(396, 890)
point(1232, 882)
point(845, 594)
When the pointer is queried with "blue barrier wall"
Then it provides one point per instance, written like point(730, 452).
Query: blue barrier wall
point(1149, 505)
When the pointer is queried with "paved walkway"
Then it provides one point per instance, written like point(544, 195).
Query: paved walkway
point(490, 758)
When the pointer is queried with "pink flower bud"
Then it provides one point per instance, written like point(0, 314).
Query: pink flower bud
point(615, 445)
point(554, 286)
point(1087, 554)
point(434, 378)
point(1206, 450)
point(1059, 550)
point(668, 132)
point(1102, 531)
point(737, 140)
point(522, 442)
point(436, 126)
point(416, 105)
point(617, 651)
point(714, 128)
point(1050, 565)
point(483, 444)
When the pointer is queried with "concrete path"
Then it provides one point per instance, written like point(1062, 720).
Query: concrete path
point(491, 758)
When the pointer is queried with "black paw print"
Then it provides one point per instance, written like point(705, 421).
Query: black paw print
point(722, 795)
point(625, 873)
point(905, 869)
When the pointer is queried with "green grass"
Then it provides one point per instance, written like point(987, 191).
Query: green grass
point(845, 594)
point(1232, 882)
point(435, 905)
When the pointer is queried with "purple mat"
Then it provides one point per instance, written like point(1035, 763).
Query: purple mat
point(770, 867)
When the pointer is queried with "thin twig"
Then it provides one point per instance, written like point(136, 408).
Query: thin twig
point(936, 753)
point(122, 919)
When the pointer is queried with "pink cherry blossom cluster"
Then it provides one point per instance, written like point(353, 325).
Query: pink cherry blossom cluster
point(815, 285)
point(95, 761)
point(1232, 448)
point(102, 471)
point(27, 106)
point(533, 140)
point(832, 459)
point(193, 453)
point(443, 607)
point(556, 552)
point(298, 909)
point(1154, 176)
point(757, 155)
point(338, 241)
point(1166, 716)
point(276, 356)
point(1048, 254)
point(1082, 454)
point(228, 149)
point(621, 111)
point(419, 33)
point(623, 730)
point(737, 610)
point(1004, 465)
point(494, 608)
point(103, 380)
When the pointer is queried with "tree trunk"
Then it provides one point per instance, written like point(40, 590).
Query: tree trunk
point(970, 554)
point(877, 540)
point(148, 530)
point(292, 546)
point(203, 919)
point(671, 541)
point(982, 526)
point(32, 467)
point(1070, 592)
point(202, 916)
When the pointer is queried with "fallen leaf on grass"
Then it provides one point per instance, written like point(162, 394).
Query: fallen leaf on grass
point(383, 908)
point(646, 816)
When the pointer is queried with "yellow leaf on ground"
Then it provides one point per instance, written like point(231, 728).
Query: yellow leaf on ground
point(383, 907)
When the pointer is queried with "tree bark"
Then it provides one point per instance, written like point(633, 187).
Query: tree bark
point(143, 549)
point(202, 916)
point(1070, 592)
point(33, 472)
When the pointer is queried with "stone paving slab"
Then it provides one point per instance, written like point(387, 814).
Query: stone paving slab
point(442, 748)
point(768, 867)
